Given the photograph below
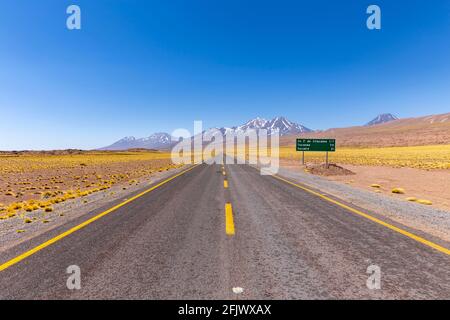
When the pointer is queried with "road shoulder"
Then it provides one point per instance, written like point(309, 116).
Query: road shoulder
point(425, 220)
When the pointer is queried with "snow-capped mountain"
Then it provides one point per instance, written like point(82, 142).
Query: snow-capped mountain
point(159, 140)
point(280, 124)
point(382, 118)
point(285, 127)
point(257, 123)
point(163, 140)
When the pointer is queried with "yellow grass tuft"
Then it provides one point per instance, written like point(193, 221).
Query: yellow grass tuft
point(375, 185)
point(44, 204)
point(11, 214)
point(15, 206)
point(398, 190)
point(425, 202)
point(412, 199)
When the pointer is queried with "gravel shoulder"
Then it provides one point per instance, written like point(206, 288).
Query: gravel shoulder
point(14, 231)
point(429, 220)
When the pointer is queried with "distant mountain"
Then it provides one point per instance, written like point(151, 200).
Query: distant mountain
point(256, 123)
point(160, 140)
point(285, 127)
point(280, 124)
point(163, 140)
point(382, 118)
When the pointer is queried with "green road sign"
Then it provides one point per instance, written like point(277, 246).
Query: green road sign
point(316, 145)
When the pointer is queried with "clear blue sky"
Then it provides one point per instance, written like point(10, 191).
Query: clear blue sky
point(139, 67)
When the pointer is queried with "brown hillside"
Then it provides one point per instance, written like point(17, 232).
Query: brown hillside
point(426, 130)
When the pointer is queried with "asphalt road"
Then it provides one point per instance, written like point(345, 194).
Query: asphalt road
point(177, 242)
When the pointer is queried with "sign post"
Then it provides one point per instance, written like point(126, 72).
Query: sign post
point(324, 145)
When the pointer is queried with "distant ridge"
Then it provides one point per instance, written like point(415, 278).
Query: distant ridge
point(426, 130)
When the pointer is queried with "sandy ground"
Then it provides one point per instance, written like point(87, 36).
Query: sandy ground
point(33, 184)
point(69, 210)
point(432, 185)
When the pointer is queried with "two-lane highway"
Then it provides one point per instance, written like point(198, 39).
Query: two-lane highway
point(214, 228)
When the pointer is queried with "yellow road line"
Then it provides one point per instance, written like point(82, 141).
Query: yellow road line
point(229, 224)
point(225, 184)
point(367, 216)
point(84, 224)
